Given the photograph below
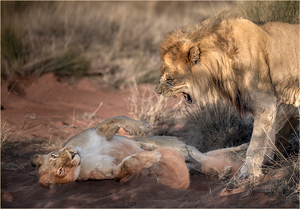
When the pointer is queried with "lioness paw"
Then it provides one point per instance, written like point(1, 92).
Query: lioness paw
point(225, 173)
point(138, 128)
point(145, 128)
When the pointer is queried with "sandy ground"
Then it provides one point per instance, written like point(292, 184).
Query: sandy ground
point(38, 116)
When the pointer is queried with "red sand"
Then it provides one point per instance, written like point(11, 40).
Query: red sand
point(42, 114)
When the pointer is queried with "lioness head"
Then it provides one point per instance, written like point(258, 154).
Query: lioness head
point(193, 61)
point(57, 167)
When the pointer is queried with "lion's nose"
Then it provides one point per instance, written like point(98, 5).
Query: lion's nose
point(158, 89)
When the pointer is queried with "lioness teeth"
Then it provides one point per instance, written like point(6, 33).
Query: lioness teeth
point(73, 154)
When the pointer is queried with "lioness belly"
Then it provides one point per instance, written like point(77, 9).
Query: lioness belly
point(100, 157)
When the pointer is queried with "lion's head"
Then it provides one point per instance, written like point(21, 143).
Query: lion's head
point(202, 60)
point(57, 167)
point(179, 56)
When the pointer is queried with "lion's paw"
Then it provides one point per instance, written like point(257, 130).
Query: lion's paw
point(248, 170)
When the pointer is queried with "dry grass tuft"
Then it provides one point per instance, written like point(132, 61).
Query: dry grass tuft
point(215, 125)
point(146, 105)
point(5, 133)
point(284, 185)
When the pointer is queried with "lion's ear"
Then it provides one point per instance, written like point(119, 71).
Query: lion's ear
point(194, 55)
point(36, 160)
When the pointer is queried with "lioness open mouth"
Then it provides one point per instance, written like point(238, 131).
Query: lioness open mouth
point(73, 154)
point(188, 98)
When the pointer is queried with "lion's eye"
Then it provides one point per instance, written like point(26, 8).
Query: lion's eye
point(193, 63)
point(53, 156)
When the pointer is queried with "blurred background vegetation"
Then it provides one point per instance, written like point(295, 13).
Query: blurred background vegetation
point(118, 41)
point(272, 11)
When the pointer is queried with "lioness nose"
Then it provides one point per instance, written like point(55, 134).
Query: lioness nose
point(73, 154)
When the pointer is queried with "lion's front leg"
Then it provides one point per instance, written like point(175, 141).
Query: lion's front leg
point(111, 126)
point(263, 138)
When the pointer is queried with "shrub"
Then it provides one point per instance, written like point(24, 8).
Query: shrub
point(215, 125)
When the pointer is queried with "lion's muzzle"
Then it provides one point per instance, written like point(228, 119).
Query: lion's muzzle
point(158, 89)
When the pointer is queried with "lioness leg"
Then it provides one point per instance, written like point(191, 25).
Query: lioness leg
point(216, 161)
point(111, 126)
point(155, 142)
point(166, 164)
point(133, 164)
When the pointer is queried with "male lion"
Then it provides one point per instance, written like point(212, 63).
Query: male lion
point(97, 153)
point(253, 66)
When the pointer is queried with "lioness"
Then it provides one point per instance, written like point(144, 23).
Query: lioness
point(253, 66)
point(97, 153)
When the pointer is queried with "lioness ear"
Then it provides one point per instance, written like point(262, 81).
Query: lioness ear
point(36, 160)
point(194, 55)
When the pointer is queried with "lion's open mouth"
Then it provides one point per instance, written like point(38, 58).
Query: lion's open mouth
point(188, 98)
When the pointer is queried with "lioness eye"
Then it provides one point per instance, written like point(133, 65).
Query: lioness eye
point(53, 156)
